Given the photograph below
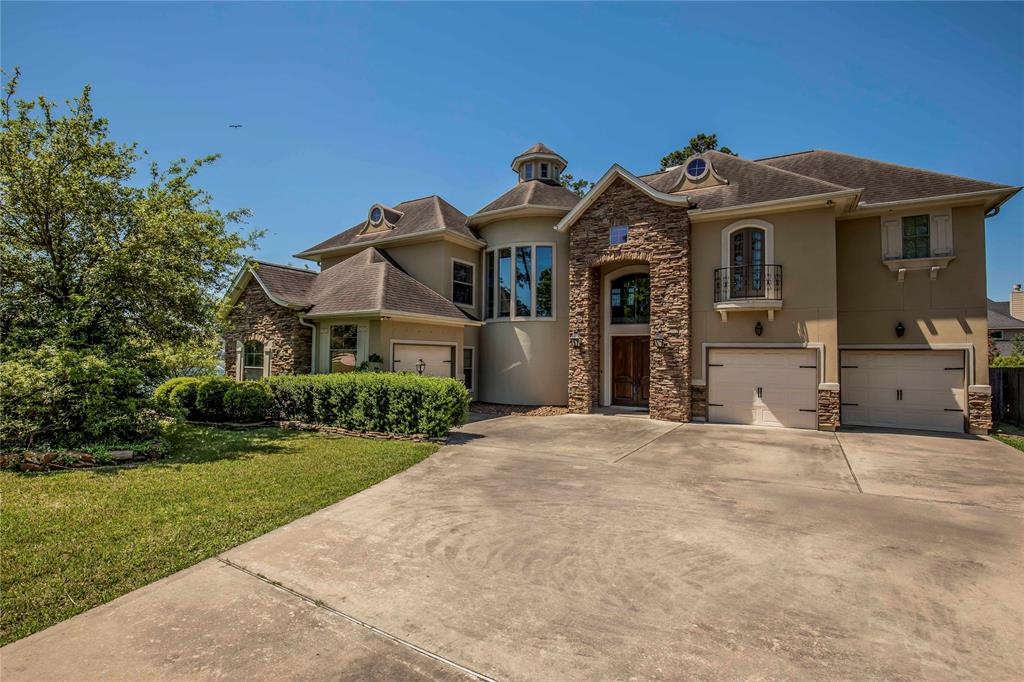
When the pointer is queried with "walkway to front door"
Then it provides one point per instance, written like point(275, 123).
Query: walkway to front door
point(631, 370)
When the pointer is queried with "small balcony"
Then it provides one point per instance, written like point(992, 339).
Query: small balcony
point(748, 287)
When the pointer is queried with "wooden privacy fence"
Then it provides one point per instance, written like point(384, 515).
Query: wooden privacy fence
point(1007, 394)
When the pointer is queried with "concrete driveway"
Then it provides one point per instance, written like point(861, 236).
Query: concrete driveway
point(605, 547)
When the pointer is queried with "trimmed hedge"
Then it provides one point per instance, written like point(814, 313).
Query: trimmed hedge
point(1007, 361)
point(248, 401)
point(384, 402)
point(210, 398)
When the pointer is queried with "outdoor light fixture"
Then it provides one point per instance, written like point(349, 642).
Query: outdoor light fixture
point(759, 328)
point(900, 329)
point(420, 366)
point(659, 340)
point(575, 340)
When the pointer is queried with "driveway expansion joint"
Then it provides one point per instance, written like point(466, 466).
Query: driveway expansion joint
point(641, 447)
point(848, 464)
point(356, 621)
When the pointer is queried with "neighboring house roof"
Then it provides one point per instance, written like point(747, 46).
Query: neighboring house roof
point(533, 193)
point(428, 214)
point(881, 182)
point(371, 282)
point(999, 316)
point(749, 182)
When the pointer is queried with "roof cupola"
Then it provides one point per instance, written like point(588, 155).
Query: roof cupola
point(539, 162)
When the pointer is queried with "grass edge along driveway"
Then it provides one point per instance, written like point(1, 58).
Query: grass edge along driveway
point(73, 540)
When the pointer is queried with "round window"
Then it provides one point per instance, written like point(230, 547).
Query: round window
point(376, 214)
point(696, 168)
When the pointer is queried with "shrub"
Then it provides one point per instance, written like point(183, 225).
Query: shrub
point(163, 391)
point(183, 395)
point(386, 402)
point(209, 403)
point(67, 398)
point(248, 401)
point(1007, 361)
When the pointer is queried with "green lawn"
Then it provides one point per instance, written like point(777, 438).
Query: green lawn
point(73, 540)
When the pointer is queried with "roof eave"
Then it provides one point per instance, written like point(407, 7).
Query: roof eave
point(239, 282)
point(398, 315)
point(424, 235)
point(996, 197)
point(522, 211)
point(612, 174)
point(846, 197)
point(538, 155)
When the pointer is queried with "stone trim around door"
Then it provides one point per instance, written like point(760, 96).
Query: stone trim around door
point(658, 235)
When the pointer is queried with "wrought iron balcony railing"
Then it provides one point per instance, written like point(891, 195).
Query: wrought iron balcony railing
point(748, 281)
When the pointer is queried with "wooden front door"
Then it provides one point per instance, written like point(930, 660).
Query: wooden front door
point(631, 370)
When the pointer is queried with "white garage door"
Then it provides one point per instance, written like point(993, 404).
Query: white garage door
point(768, 387)
point(438, 359)
point(903, 389)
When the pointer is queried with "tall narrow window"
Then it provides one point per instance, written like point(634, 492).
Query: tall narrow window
point(916, 241)
point(467, 367)
point(545, 273)
point(343, 347)
point(489, 259)
point(524, 280)
point(528, 171)
point(462, 282)
point(545, 171)
point(252, 360)
point(504, 282)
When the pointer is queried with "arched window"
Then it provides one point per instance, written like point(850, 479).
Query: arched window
point(747, 260)
point(631, 299)
point(252, 360)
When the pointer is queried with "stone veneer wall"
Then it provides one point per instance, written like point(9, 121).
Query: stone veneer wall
point(979, 411)
point(828, 409)
point(699, 402)
point(257, 317)
point(659, 235)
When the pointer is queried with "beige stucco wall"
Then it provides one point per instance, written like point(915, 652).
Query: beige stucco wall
point(527, 362)
point(949, 309)
point(805, 247)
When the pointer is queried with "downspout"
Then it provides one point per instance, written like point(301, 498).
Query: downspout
point(312, 349)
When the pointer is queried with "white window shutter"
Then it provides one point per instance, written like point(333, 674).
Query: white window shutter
point(892, 239)
point(239, 359)
point(268, 353)
point(362, 343)
point(940, 231)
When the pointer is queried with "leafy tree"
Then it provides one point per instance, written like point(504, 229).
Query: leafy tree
point(578, 187)
point(91, 261)
point(193, 358)
point(698, 145)
point(1017, 346)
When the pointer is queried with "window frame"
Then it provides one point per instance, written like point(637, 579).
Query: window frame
point(612, 231)
point(611, 305)
point(472, 368)
point(545, 171)
point(927, 236)
point(331, 349)
point(995, 334)
point(262, 367)
point(528, 170)
point(471, 284)
point(494, 307)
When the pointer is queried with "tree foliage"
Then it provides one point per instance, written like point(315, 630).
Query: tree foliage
point(578, 187)
point(90, 259)
point(698, 144)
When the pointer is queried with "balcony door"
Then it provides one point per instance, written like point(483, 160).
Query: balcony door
point(747, 262)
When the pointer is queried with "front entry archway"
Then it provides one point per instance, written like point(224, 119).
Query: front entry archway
point(626, 332)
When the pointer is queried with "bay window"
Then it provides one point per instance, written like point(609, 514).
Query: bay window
point(520, 282)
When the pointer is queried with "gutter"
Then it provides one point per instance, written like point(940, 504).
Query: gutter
point(413, 237)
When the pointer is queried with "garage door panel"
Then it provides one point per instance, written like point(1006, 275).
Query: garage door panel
point(437, 359)
point(788, 382)
point(904, 389)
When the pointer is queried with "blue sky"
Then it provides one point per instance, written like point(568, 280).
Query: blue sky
point(344, 105)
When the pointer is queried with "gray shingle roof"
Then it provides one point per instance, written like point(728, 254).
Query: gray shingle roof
point(286, 283)
point(999, 316)
point(882, 182)
point(418, 215)
point(533, 193)
point(369, 281)
point(749, 182)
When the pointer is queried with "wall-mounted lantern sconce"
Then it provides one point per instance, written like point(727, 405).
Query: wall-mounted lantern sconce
point(575, 340)
point(759, 328)
point(900, 329)
point(659, 340)
point(420, 366)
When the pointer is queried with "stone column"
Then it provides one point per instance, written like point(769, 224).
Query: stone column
point(828, 407)
point(979, 409)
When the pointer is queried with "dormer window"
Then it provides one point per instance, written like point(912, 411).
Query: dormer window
point(696, 169)
point(528, 171)
point(545, 171)
point(376, 215)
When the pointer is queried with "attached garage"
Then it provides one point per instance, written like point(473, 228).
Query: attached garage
point(765, 387)
point(438, 359)
point(906, 389)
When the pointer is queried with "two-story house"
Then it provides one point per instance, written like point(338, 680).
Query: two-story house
point(808, 290)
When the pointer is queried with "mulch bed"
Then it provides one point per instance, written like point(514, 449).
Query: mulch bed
point(518, 410)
